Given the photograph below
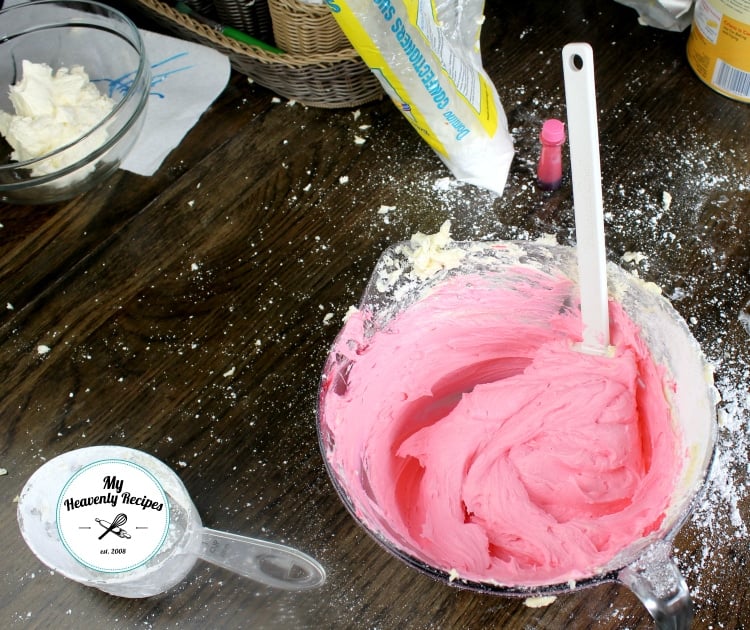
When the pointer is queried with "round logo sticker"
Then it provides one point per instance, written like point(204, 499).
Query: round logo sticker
point(113, 516)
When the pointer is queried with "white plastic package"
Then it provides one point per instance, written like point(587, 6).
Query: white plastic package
point(670, 15)
point(426, 55)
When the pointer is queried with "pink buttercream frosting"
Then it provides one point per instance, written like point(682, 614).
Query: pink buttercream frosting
point(470, 433)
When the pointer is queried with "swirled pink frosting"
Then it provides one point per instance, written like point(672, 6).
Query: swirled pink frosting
point(472, 434)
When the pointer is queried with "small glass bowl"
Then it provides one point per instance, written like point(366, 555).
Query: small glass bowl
point(109, 48)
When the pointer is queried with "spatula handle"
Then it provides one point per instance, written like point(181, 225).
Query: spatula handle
point(583, 133)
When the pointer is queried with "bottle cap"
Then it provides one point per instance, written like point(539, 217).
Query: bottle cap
point(553, 132)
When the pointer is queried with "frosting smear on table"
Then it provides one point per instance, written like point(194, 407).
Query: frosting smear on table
point(470, 433)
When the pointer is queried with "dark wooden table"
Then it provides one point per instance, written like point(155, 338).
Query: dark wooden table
point(189, 314)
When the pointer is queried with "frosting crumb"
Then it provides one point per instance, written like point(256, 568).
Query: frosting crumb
point(429, 254)
point(666, 200)
point(539, 602)
point(633, 257)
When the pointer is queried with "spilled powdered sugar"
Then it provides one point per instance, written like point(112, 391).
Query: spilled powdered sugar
point(681, 200)
point(650, 214)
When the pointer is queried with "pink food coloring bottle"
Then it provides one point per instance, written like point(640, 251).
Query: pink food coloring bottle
point(549, 170)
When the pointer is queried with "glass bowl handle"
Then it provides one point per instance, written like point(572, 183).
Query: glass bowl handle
point(655, 579)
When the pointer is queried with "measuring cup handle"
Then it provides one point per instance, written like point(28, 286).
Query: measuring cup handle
point(656, 581)
point(266, 562)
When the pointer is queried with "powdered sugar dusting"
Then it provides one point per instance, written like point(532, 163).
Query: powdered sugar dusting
point(665, 219)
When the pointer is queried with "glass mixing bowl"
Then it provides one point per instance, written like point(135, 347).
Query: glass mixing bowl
point(645, 566)
point(109, 48)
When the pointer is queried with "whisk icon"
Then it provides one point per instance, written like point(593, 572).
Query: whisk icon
point(115, 526)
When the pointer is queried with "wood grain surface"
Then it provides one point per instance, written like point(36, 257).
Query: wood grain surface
point(187, 314)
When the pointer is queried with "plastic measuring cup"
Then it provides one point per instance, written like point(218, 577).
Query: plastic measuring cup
point(645, 564)
point(122, 521)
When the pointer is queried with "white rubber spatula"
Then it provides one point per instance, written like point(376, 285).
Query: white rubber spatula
point(583, 134)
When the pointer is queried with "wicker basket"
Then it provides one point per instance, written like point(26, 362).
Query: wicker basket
point(204, 7)
point(329, 80)
point(303, 28)
point(251, 16)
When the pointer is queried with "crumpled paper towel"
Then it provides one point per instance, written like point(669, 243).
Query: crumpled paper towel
point(186, 79)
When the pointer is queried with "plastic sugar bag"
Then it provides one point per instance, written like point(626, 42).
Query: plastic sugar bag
point(670, 15)
point(426, 55)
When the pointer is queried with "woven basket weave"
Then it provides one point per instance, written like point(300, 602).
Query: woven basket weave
point(251, 16)
point(328, 80)
point(306, 29)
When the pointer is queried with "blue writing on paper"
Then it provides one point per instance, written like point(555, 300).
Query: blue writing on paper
point(122, 84)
